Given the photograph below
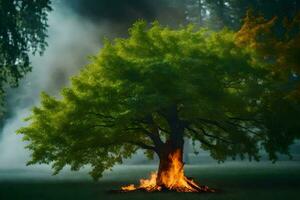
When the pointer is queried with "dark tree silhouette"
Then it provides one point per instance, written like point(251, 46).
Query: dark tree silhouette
point(23, 28)
point(230, 13)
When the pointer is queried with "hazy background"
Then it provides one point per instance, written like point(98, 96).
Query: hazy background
point(71, 39)
point(76, 30)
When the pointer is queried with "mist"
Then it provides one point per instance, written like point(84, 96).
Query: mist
point(71, 40)
point(75, 32)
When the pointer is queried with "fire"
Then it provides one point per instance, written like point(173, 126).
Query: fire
point(172, 179)
point(145, 184)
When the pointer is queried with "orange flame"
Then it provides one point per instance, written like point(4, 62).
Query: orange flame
point(172, 179)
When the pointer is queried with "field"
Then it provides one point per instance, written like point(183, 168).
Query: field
point(235, 181)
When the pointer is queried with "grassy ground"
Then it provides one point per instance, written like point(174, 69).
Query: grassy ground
point(247, 181)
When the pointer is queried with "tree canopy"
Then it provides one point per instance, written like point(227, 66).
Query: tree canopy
point(23, 28)
point(141, 90)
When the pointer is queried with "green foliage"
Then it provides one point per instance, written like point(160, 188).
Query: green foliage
point(23, 27)
point(221, 92)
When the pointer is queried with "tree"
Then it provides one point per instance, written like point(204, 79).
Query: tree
point(268, 9)
point(195, 11)
point(277, 40)
point(23, 28)
point(151, 90)
point(230, 13)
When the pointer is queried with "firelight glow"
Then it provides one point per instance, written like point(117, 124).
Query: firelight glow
point(172, 179)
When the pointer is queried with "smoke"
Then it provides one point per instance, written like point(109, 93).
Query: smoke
point(122, 14)
point(76, 28)
point(71, 39)
point(114, 10)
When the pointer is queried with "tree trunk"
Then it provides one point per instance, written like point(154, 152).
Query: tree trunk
point(170, 174)
point(170, 168)
point(170, 154)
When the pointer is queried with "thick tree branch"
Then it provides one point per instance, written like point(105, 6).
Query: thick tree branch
point(218, 124)
point(122, 142)
point(242, 127)
point(149, 134)
point(209, 135)
point(152, 135)
point(213, 122)
point(244, 119)
point(154, 131)
point(202, 140)
point(163, 130)
point(142, 145)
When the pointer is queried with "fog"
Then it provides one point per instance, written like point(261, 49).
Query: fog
point(71, 39)
point(74, 34)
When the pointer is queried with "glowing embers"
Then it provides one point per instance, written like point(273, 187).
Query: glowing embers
point(171, 178)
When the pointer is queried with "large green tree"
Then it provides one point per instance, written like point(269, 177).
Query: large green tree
point(155, 88)
point(23, 28)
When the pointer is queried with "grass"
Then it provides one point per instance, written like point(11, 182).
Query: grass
point(246, 181)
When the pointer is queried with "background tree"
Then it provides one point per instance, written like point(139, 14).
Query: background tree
point(124, 13)
point(196, 11)
point(153, 89)
point(230, 13)
point(277, 41)
point(23, 28)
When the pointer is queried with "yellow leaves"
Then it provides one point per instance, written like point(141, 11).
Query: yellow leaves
point(276, 43)
point(253, 28)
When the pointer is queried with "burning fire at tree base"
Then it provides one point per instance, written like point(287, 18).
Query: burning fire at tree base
point(171, 178)
point(180, 185)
